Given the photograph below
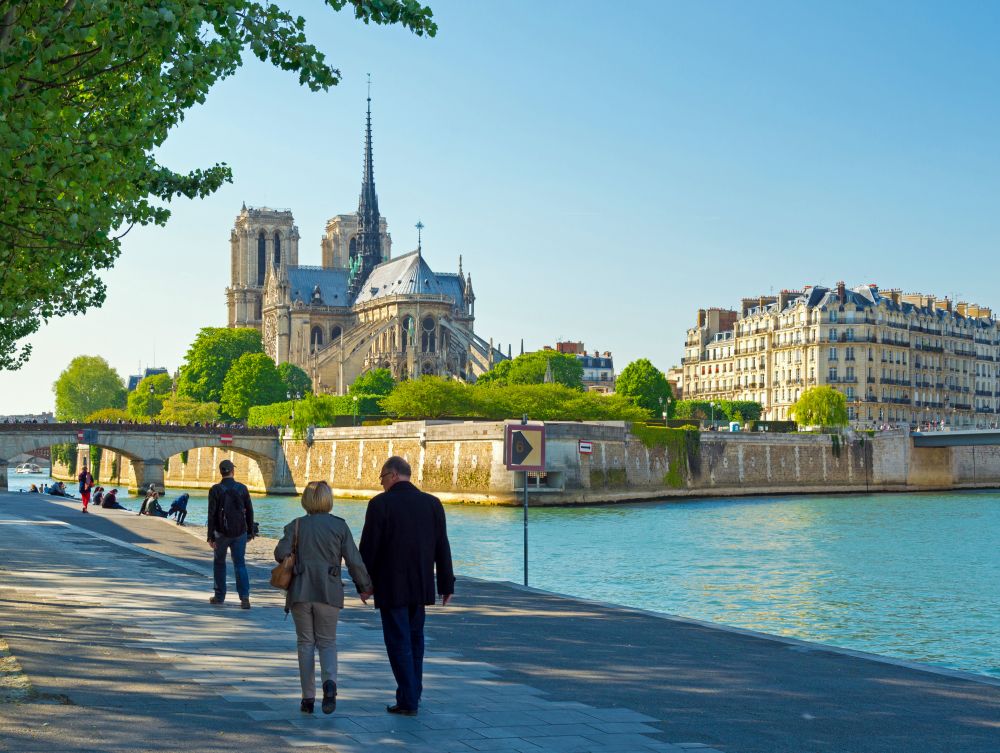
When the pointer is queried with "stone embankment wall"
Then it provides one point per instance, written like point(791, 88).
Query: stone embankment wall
point(463, 462)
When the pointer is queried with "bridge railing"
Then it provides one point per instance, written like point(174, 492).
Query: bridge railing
point(237, 430)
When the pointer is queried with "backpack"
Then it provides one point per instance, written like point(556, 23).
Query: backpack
point(232, 518)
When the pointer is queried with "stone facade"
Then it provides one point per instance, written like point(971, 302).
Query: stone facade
point(904, 360)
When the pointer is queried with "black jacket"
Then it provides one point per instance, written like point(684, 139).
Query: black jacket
point(216, 498)
point(404, 540)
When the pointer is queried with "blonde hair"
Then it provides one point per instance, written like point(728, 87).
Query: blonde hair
point(317, 497)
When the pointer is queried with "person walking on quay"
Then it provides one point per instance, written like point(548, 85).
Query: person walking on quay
point(86, 483)
point(404, 540)
point(230, 526)
point(320, 542)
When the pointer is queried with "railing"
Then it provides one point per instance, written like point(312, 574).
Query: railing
point(143, 428)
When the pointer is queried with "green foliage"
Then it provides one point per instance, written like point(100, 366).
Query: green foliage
point(110, 415)
point(725, 410)
point(683, 448)
point(209, 359)
point(530, 368)
point(646, 386)
point(374, 382)
point(313, 410)
point(252, 380)
point(185, 411)
point(296, 381)
point(144, 402)
point(88, 384)
point(435, 397)
point(820, 406)
point(95, 460)
point(64, 454)
point(90, 91)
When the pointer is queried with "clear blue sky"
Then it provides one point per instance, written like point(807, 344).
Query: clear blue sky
point(605, 169)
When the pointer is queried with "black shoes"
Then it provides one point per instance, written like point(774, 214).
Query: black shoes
point(329, 697)
point(306, 707)
point(396, 709)
point(244, 603)
point(216, 600)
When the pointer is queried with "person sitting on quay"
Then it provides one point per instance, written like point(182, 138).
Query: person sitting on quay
point(151, 493)
point(110, 501)
point(58, 489)
point(179, 507)
point(33, 489)
point(98, 496)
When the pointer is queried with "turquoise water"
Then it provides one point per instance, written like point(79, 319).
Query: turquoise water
point(915, 576)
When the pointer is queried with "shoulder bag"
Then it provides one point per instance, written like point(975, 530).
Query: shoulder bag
point(281, 574)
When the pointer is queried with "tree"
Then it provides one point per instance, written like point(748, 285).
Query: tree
point(497, 376)
point(429, 397)
point(107, 415)
point(646, 386)
point(209, 359)
point(88, 93)
point(530, 368)
point(186, 411)
point(820, 406)
point(253, 380)
point(374, 382)
point(296, 381)
point(87, 385)
point(144, 402)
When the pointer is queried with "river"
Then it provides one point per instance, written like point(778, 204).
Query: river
point(913, 576)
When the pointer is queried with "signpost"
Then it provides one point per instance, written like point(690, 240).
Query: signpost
point(226, 438)
point(524, 450)
point(585, 447)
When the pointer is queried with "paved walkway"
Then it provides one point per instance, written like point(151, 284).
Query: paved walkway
point(107, 616)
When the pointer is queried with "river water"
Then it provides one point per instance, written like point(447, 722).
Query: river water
point(914, 576)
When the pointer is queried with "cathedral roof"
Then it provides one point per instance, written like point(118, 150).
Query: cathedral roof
point(408, 274)
point(332, 283)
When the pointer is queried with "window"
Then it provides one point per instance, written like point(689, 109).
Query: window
point(427, 336)
point(315, 339)
point(261, 257)
point(833, 354)
point(277, 249)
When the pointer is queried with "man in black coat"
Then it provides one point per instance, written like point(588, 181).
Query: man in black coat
point(405, 539)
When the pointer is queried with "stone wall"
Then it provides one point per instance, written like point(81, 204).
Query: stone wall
point(463, 462)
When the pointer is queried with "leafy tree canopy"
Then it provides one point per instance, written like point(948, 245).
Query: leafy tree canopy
point(113, 415)
point(88, 92)
point(820, 406)
point(87, 385)
point(253, 380)
point(374, 382)
point(186, 411)
point(724, 410)
point(646, 386)
point(296, 381)
point(146, 400)
point(530, 368)
point(210, 357)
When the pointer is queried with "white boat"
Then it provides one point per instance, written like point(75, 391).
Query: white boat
point(27, 468)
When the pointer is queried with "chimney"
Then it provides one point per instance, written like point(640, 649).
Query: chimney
point(841, 291)
point(701, 317)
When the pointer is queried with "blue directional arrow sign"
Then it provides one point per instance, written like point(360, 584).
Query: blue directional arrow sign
point(525, 447)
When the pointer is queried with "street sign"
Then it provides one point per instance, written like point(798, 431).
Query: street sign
point(87, 436)
point(524, 447)
point(226, 438)
point(585, 447)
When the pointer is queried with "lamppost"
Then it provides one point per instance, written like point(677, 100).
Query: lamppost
point(293, 396)
point(665, 408)
point(354, 410)
point(152, 392)
point(712, 407)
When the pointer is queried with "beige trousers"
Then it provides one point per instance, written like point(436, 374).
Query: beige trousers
point(315, 629)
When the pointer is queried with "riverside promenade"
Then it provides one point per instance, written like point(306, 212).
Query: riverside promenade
point(107, 643)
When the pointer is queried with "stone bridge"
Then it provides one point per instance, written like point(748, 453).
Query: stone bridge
point(149, 446)
point(969, 438)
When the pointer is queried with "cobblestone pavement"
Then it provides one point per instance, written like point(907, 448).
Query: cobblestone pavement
point(247, 657)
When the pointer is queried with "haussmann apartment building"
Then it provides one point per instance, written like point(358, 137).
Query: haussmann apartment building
point(900, 359)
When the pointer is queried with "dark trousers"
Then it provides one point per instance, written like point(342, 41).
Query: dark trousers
point(403, 631)
point(238, 546)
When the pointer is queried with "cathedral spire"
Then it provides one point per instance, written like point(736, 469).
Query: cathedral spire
point(369, 240)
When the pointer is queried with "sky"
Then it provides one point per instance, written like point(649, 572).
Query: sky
point(604, 169)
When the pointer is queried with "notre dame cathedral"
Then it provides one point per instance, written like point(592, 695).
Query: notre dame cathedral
point(361, 309)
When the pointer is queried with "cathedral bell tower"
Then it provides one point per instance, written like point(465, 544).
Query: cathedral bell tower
point(368, 251)
point(261, 239)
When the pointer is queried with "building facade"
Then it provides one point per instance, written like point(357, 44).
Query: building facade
point(360, 309)
point(598, 369)
point(900, 359)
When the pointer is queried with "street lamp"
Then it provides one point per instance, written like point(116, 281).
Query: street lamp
point(712, 407)
point(293, 396)
point(354, 410)
point(665, 408)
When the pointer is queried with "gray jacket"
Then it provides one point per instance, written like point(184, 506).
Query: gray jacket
point(324, 540)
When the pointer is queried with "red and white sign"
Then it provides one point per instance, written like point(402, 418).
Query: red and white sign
point(79, 436)
point(585, 447)
point(226, 438)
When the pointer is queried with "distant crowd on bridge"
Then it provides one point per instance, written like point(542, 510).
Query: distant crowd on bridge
point(198, 427)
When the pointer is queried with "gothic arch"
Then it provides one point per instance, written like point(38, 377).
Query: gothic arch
point(277, 248)
point(335, 332)
point(315, 339)
point(261, 257)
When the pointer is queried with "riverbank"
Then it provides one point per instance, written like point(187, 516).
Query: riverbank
point(110, 612)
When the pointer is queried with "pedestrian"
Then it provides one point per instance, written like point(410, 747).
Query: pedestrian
point(230, 526)
point(315, 597)
point(404, 544)
point(179, 507)
point(86, 482)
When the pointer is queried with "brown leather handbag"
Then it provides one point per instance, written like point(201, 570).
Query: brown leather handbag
point(281, 574)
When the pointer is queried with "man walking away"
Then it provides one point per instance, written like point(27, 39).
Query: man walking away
point(230, 526)
point(405, 539)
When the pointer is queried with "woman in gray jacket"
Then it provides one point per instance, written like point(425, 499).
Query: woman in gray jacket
point(316, 594)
